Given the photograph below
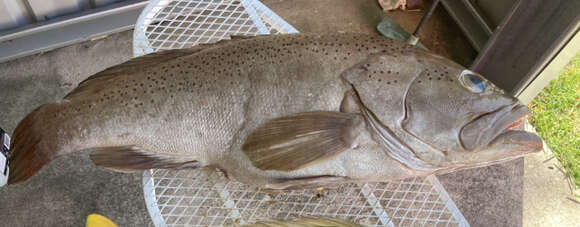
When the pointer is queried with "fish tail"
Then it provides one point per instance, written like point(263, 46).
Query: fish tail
point(28, 155)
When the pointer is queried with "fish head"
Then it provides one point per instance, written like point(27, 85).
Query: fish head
point(465, 117)
point(445, 114)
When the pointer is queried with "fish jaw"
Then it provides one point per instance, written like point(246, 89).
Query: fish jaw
point(495, 131)
point(519, 141)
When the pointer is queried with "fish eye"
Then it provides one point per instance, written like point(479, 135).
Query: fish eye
point(473, 81)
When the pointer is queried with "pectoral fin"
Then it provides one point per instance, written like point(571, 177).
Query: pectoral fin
point(293, 142)
point(133, 158)
point(350, 103)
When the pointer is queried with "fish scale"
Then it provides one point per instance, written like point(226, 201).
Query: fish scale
point(223, 106)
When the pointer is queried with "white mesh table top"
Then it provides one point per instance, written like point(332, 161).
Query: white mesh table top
point(166, 24)
point(206, 198)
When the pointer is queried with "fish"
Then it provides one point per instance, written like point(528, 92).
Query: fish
point(305, 222)
point(281, 112)
point(97, 220)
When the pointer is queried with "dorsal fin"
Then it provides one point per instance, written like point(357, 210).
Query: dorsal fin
point(241, 37)
point(149, 60)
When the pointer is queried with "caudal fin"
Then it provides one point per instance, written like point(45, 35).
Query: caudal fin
point(27, 156)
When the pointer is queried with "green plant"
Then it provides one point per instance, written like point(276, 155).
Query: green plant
point(556, 117)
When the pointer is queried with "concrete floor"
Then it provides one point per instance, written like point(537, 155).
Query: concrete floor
point(70, 188)
point(550, 198)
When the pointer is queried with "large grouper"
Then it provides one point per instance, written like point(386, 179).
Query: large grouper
point(284, 111)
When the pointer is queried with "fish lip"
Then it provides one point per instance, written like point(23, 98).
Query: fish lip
point(503, 119)
point(517, 112)
point(520, 142)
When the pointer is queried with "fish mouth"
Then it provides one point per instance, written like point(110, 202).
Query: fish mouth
point(500, 129)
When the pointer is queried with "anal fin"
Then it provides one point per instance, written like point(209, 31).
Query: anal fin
point(133, 158)
point(307, 182)
point(305, 222)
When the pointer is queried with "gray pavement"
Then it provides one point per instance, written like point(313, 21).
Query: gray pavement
point(550, 199)
point(70, 188)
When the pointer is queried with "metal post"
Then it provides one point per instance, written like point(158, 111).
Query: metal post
point(414, 39)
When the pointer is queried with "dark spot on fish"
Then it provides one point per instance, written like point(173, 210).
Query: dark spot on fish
point(388, 82)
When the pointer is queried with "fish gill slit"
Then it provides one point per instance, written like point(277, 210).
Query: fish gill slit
point(405, 118)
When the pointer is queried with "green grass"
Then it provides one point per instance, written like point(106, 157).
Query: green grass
point(556, 117)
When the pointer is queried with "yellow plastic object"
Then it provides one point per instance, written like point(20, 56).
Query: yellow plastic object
point(97, 220)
